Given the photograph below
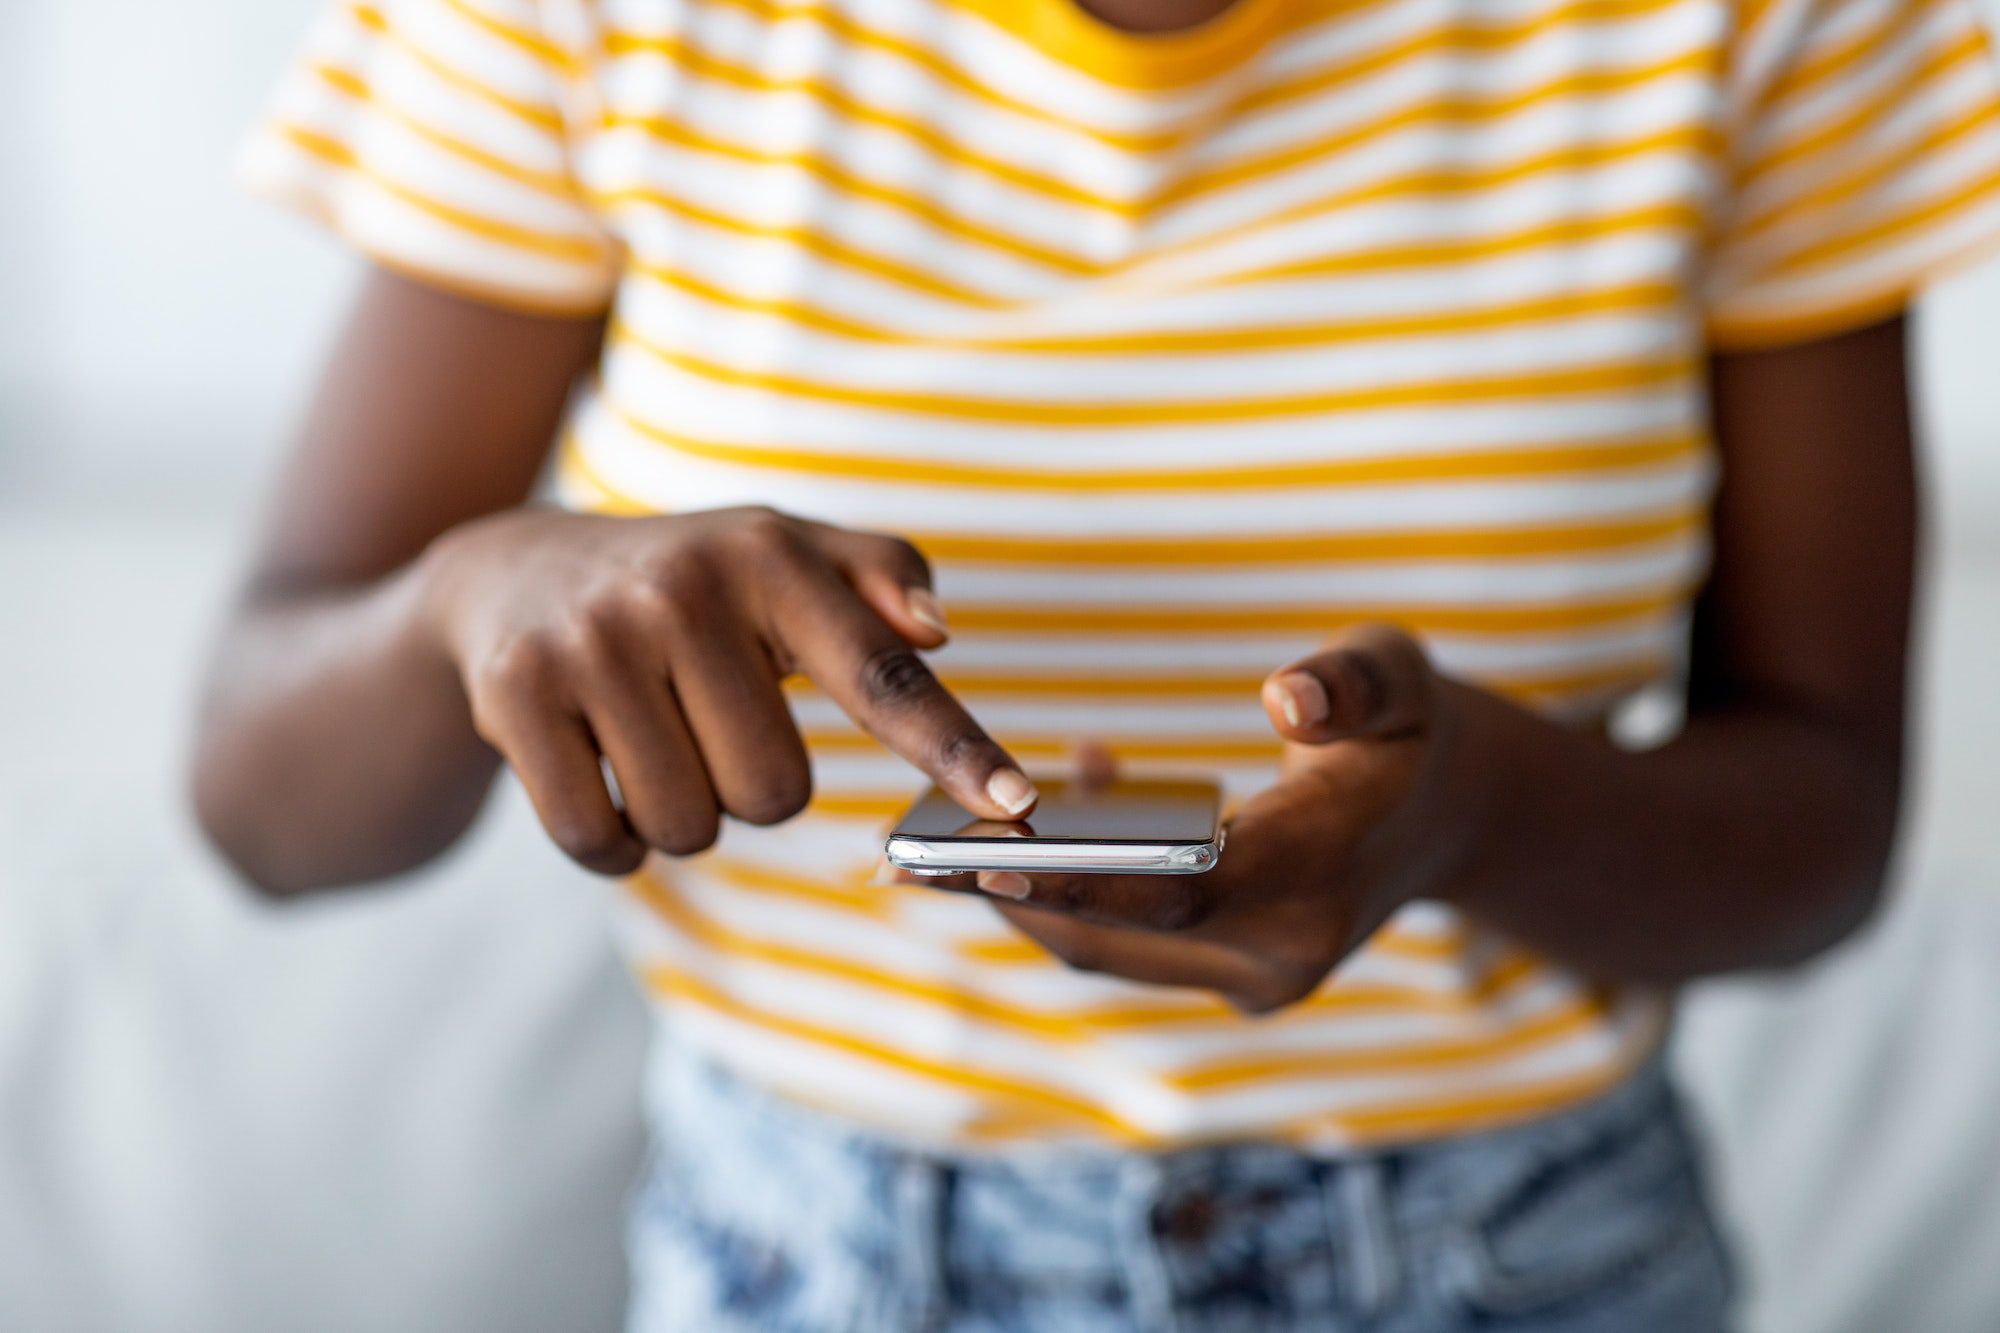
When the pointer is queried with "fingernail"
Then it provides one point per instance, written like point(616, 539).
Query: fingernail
point(924, 609)
point(1010, 789)
point(1302, 699)
point(1005, 883)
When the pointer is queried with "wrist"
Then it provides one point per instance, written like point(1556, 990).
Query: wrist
point(1456, 798)
point(1485, 755)
point(436, 588)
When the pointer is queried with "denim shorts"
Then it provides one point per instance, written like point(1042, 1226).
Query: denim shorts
point(759, 1214)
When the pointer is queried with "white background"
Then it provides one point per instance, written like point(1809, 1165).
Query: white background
point(413, 1110)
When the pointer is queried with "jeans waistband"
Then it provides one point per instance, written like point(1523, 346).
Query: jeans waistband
point(681, 1078)
point(1337, 1225)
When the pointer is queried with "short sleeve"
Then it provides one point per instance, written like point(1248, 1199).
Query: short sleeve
point(435, 136)
point(1862, 152)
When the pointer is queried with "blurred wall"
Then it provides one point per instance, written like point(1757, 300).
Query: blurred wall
point(159, 327)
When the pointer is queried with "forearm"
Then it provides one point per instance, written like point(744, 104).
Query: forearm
point(1756, 838)
point(335, 745)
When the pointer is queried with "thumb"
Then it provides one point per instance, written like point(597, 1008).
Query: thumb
point(1371, 680)
point(1095, 766)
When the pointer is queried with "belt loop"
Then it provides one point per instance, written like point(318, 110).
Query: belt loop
point(921, 1194)
point(1358, 1214)
point(1148, 1283)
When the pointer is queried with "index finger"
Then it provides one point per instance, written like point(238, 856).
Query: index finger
point(871, 671)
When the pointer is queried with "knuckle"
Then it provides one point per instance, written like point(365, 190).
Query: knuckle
point(1255, 1003)
point(490, 726)
point(773, 800)
point(962, 749)
point(1067, 894)
point(680, 578)
point(897, 677)
point(1281, 988)
point(765, 534)
point(1180, 907)
point(689, 832)
point(495, 718)
point(901, 555)
point(523, 665)
point(594, 844)
point(1391, 640)
point(594, 631)
point(1368, 676)
point(1078, 956)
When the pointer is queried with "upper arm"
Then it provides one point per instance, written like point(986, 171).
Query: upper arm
point(1815, 530)
point(1861, 146)
point(432, 410)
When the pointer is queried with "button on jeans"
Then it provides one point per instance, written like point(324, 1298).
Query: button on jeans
point(757, 1214)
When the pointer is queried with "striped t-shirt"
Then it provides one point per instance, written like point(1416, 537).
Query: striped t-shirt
point(1174, 353)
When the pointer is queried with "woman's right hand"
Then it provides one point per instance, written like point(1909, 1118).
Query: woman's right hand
point(660, 643)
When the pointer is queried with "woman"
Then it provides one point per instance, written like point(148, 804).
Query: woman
point(1327, 394)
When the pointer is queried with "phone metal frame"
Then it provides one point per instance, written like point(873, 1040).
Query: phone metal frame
point(963, 856)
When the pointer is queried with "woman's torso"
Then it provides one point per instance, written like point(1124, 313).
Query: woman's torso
point(1173, 354)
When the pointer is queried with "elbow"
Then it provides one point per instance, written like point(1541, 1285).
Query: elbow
point(266, 880)
point(282, 844)
point(236, 805)
point(1846, 891)
point(1843, 911)
point(1862, 880)
point(244, 821)
point(1852, 902)
point(1802, 898)
point(237, 834)
point(1786, 933)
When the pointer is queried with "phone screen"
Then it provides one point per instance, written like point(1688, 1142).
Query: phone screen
point(1137, 810)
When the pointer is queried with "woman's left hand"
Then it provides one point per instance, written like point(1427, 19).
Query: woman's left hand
point(1353, 829)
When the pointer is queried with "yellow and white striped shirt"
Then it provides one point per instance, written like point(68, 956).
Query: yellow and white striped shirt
point(1173, 352)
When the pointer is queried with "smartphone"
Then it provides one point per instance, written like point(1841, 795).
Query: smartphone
point(1138, 826)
